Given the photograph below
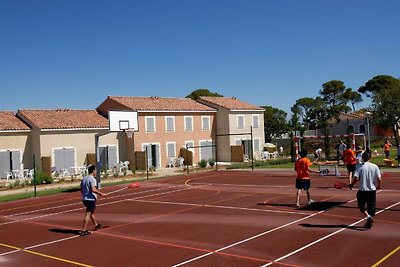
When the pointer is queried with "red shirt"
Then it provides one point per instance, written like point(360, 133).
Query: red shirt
point(387, 147)
point(301, 166)
point(349, 157)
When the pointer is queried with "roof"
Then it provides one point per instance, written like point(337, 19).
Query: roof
point(151, 103)
point(9, 122)
point(231, 103)
point(63, 119)
point(355, 115)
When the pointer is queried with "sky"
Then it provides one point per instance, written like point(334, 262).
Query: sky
point(74, 53)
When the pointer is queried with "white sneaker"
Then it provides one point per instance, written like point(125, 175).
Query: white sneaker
point(310, 202)
point(297, 205)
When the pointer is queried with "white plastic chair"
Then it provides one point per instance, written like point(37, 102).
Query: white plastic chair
point(172, 162)
point(180, 161)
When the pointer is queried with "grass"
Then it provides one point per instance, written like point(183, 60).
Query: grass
point(52, 191)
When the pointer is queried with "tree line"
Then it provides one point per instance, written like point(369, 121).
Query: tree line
point(334, 98)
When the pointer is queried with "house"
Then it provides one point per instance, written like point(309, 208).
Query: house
point(166, 125)
point(236, 120)
point(15, 145)
point(63, 140)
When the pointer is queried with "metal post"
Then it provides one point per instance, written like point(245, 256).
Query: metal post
point(369, 138)
point(147, 165)
point(98, 162)
point(187, 159)
point(34, 176)
point(251, 148)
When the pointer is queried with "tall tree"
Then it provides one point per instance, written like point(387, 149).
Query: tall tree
point(201, 92)
point(384, 91)
point(274, 122)
point(333, 94)
point(353, 97)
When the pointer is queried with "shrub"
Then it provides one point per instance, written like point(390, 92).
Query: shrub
point(42, 178)
point(202, 163)
point(211, 162)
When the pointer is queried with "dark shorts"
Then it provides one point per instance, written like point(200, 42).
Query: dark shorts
point(369, 198)
point(351, 168)
point(90, 205)
point(303, 183)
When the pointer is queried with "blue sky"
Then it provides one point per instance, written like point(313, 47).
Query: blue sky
point(74, 53)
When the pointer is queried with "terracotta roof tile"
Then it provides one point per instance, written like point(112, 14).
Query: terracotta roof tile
point(9, 122)
point(63, 119)
point(231, 103)
point(152, 104)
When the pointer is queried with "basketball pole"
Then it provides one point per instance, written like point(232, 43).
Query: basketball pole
point(98, 161)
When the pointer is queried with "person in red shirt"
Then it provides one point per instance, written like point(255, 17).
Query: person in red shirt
point(386, 148)
point(302, 168)
point(350, 159)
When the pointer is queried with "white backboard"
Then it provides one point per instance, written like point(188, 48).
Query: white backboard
point(120, 120)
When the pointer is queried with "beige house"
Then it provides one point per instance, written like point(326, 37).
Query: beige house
point(15, 145)
point(65, 139)
point(166, 125)
point(235, 121)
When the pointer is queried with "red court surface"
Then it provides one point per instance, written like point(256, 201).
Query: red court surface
point(225, 218)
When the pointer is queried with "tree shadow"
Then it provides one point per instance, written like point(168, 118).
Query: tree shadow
point(330, 226)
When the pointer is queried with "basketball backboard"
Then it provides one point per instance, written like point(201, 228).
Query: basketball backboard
point(122, 120)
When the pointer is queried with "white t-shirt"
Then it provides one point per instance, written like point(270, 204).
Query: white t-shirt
point(86, 186)
point(367, 174)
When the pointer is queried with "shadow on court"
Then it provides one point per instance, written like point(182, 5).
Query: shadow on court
point(71, 190)
point(319, 206)
point(64, 231)
point(330, 226)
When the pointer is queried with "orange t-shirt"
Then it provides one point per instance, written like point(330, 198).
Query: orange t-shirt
point(301, 166)
point(386, 147)
point(349, 157)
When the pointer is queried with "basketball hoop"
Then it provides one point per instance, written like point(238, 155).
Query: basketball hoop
point(129, 132)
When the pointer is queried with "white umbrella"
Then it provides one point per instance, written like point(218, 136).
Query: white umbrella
point(269, 145)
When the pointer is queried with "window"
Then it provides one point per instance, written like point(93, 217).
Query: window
point(188, 123)
point(350, 128)
point(206, 150)
point(190, 145)
point(108, 156)
point(9, 160)
point(64, 159)
point(362, 128)
point(171, 151)
point(255, 121)
point(205, 123)
point(170, 124)
point(256, 147)
point(150, 124)
point(240, 122)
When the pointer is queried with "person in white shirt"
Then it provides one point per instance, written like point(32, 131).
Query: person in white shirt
point(369, 178)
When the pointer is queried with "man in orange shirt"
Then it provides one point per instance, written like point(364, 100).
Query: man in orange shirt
point(302, 168)
point(350, 159)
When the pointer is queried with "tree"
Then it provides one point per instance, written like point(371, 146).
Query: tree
point(335, 96)
point(274, 122)
point(384, 91)
point(201, 92)
point(353, 97)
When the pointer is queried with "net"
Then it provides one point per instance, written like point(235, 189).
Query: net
point(129, 132)
point(328, 169)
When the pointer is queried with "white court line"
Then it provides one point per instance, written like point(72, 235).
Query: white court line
point(323, 238)
point(103, 204)
point(261, 234)
point(39, 245)
point(245, 185)
point(248, 239)
point(220, 207)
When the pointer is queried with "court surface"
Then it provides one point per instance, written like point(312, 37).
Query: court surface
point(224, 218)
